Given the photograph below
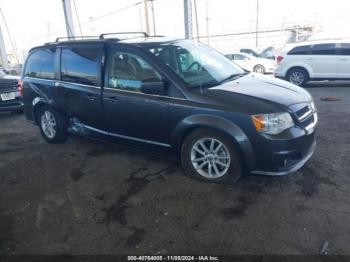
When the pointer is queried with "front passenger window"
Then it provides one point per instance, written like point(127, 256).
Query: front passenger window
point(127, 71)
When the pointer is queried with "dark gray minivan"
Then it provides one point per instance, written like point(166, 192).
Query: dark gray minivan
point(173, 95)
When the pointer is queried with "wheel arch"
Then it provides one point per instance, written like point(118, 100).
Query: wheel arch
point(39, 102)
point(259, 64)
point(307, 70)
point(222, 125)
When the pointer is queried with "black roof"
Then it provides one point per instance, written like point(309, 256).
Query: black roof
point(139, 41)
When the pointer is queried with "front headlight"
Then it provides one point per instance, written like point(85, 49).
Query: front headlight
point(272, 123)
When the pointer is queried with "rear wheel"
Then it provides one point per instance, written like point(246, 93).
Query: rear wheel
point(259, 69)
point(209, 156)
point(53, 124)
point(298, 76)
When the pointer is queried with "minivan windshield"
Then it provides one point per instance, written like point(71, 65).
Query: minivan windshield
point(196, 64)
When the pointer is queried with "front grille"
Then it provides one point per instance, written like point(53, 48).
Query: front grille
point(304, 112)
point(308, 121)
point(306, 117)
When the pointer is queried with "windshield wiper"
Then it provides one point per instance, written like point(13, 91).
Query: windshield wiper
point(231, 77)
point(213, 83)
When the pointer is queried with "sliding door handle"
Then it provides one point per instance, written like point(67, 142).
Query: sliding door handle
point(91, 97)
point(112, 99)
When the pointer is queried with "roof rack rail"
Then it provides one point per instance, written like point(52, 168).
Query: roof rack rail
point(58, 39)
point(144, 34)
point(101, 37)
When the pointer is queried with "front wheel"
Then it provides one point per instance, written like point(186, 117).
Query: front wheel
point(209, 156)
point(297, 76)
point(52, 124)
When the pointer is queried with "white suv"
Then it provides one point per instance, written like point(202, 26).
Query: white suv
point(326, 60)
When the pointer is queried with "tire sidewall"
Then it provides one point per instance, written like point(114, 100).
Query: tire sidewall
point(302, 71)
point(259, 66)
point(61, 125)
point(235, 170)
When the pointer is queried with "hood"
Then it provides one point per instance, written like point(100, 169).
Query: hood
point(265, 88)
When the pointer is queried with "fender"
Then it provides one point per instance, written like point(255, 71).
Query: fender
point(221, 124)
point(38, 101)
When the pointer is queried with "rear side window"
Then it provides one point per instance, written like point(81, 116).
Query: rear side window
point(323, 49)
point(345, 49)
point(300, 50)
point(80, 65)
point(41, 64)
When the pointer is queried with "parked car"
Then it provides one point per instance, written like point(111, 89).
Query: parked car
point(253, 64)
point(15, 70)
point(173, 95)
point(321, 60)
point(267, 53)
point(10, 98)
point(249, 52)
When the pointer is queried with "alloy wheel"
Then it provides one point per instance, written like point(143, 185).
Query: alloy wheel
point(48, 124)
point(259, 69)
point(210, 157)
point(296, 78)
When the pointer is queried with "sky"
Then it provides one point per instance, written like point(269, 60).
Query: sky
point(34, 22)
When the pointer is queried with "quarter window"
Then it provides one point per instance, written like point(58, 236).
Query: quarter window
point(323, 49)
point(345, 49)
point(80, 65)
point(41, 64)
point(300, 50)
point(127, 71)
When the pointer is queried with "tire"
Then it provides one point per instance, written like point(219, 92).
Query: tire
point(58, 123)
point(230, 169)
point(297, 76)
point(260, 69)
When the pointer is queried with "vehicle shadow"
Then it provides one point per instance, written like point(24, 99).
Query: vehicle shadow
point(6, 115)
point(317, 84)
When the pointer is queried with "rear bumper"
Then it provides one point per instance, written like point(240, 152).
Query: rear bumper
point(270, 70)
point(278, 73)
point(279, 77)
point(11, 105)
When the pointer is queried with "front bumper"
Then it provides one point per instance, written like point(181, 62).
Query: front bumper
point(286, 153)
point(292, 168)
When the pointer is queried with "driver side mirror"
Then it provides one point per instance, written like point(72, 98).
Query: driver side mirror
point(156, 87)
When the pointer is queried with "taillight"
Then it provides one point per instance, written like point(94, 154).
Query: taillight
point(20, 87)
point(279, 58)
